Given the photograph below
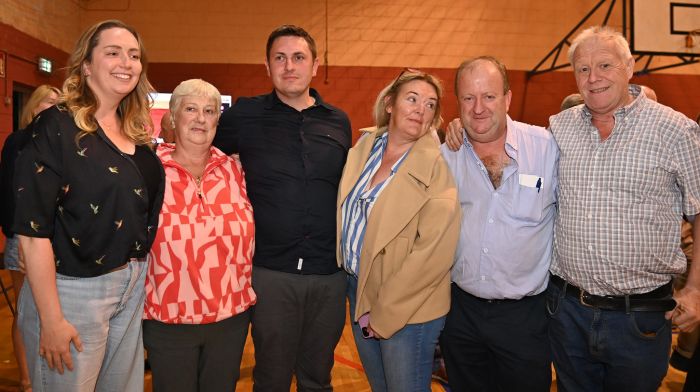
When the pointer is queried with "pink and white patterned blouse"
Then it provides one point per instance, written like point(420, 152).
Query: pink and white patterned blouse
point(201, 261)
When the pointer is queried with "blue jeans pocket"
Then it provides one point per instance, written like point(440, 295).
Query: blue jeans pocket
point(648, 325)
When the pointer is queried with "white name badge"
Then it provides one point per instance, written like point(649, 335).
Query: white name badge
point(531, 181)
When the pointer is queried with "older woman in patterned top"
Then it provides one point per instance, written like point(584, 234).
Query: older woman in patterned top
point(198, 289)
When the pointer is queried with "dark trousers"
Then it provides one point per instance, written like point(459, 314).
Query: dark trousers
point(692, 380)
point(297, 322)
point(196, 357)
point(496, 346)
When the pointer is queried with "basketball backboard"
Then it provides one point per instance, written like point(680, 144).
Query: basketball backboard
point(665, 27)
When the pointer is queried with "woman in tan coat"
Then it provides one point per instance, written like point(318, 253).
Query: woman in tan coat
point(398, 224)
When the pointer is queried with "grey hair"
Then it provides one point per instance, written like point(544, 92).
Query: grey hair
point(601, 33)
point(194, 87)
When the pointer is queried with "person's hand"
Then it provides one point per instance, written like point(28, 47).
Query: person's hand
point(54, 344)
point(686, 314)
point(373, 332)
point(454, 134)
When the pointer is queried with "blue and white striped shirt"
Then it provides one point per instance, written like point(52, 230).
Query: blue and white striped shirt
point(358, 205)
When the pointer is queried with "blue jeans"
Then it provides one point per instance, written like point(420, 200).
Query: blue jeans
point(402, 363)
point(107, 311)
point(11, 258)
point(603, 350)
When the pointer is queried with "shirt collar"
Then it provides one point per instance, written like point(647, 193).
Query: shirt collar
point(511, 136)
point(272, 100)
point(637, 103)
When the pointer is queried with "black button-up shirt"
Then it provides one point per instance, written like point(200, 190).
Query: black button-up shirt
point(293, 161)
point(85, 195)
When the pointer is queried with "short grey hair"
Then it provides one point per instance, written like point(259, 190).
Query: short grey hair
point(601, 33)
point(197, 88)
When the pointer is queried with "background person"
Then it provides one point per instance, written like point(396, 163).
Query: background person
point(167, 127)
point(398, 223)
point(88, 192)
point(198, 287)
point(571, 100)
point(42, 98)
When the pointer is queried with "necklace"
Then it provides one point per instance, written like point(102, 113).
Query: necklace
point(198, 181)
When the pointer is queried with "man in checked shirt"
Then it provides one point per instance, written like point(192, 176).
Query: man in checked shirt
point(629, 170)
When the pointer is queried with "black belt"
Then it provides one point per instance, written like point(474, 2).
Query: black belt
point(658, 300)
point(496, 301)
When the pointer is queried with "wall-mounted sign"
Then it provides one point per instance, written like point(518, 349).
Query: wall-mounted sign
point(45, 65)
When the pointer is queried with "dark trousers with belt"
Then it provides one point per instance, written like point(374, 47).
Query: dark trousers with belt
point(297, 322)
point(496, 345)
point(599, 349)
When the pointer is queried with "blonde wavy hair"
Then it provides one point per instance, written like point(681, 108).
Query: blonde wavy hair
point(33, 102)
point(82, 103)
point(381, 117)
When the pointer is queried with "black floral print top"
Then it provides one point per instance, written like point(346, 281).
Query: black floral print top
point(86, 196)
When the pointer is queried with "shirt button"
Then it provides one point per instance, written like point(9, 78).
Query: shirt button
point(490, 220)
point(483, 277)
point(590, 247)
point(486, 250)
point(589, 216)
point(495, 194)
point(592, 186)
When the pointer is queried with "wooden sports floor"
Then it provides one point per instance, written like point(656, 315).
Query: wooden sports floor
point(347, 373)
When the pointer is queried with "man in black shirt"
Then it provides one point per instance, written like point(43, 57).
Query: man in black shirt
point(293, 147)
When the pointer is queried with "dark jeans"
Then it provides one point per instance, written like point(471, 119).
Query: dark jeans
point(496, 346)
point(196, 357)
point(604, 350)
point(692, 380)
point(297, 322)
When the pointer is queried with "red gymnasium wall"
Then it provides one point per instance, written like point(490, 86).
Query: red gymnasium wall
point(352, 88)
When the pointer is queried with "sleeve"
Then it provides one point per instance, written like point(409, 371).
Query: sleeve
point(428, 262)
point(6, 167)
point(37, 179)
point(686, 156)
point(555, 172)
point(226, 138)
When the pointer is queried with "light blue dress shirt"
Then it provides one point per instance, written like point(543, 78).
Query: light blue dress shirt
point(505, 244)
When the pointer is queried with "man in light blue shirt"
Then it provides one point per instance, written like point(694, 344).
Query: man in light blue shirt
point(495, 336)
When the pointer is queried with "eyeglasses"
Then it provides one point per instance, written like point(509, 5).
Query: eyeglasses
point(403, 71)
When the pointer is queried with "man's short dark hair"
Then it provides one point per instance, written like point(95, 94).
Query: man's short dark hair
point(294, 31)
